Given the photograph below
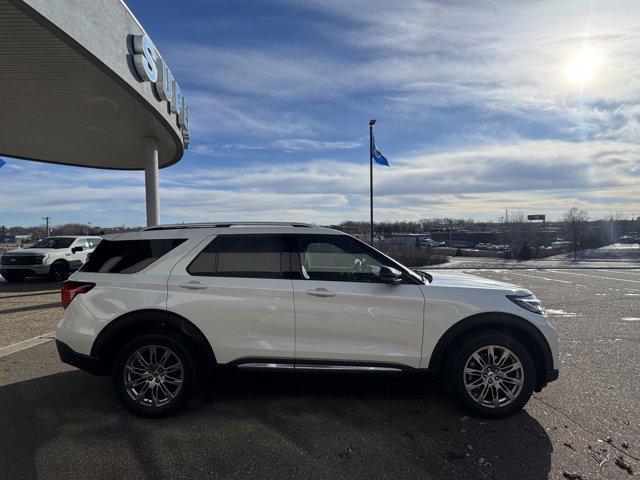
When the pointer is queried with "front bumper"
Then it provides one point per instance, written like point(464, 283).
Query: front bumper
point(28, 269)
point(92, 365)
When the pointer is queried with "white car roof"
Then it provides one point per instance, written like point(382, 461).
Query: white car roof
point(185, 230)
point(72, 236)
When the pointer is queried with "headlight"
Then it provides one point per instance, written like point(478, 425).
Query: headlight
point(528, 302)
point(43, 259)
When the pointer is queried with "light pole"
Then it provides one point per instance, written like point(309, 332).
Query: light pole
point(372, 122)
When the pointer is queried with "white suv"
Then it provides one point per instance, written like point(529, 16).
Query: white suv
point(54, 257)
point(161, 308)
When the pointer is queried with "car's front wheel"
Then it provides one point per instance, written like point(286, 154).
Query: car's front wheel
point(154, 375)
point(492, 374)
point(58, 271)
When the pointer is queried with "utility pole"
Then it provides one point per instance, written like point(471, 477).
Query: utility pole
point(611, 225)
point(47, 219)
point(372, 122)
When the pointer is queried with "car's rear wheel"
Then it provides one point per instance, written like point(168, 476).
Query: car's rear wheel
point(492, 374)
point(58, 271)
point(154, 375)
point(13, 276)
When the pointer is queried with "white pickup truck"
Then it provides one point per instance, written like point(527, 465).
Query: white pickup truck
point(54, 257)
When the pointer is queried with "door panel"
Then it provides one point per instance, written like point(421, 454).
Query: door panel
point(77, 259)
point(343, 310)
point(359, 322)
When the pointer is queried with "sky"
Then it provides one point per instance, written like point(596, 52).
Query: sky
point(481, 106)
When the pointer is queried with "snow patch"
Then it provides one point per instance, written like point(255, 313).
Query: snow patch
point(561, 313)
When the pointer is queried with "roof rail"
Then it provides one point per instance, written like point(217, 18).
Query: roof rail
point(175, 226)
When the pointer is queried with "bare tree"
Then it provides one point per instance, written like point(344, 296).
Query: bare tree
point(574, 223)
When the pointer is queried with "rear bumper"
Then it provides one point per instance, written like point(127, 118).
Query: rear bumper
point(92, 365)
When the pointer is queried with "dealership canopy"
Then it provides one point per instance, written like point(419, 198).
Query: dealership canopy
point(83, 84)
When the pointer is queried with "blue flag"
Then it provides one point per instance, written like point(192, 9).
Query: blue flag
point(2, 162)
point(378, 157)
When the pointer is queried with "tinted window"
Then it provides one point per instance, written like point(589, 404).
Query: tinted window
point(335, 258)
point(127, 256)
point(53, 242)
point(261, 256)
point(205, 262)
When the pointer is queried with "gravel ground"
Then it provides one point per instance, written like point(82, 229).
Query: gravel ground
point(28, 309)
point(58, 422)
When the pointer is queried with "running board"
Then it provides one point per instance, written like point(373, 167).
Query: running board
point(266, 366)
point(346, 368)
point(308, 367)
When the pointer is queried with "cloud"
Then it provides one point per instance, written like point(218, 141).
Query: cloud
point(303, 144)
point(214, 113)
point(545, 176)
point(207, 149)
point(285, 144)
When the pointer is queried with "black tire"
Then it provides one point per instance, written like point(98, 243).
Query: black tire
point(13, 276)
point(457, 379)
point(59, 271)
point(146, 407)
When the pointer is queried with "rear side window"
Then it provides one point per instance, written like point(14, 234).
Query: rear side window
point(259, 256)
point(128, 256)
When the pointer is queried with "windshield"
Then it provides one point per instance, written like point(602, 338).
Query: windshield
point(53, 242)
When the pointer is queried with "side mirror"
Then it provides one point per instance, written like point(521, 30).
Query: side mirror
point(390, 275)
point(76, 249)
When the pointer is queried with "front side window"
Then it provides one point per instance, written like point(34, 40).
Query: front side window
point(259, 256)
point(53, 242)
point(334, 258)
point(128, 256)
point(83, 242)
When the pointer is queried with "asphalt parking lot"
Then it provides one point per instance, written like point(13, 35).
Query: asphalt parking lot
point(58, 422)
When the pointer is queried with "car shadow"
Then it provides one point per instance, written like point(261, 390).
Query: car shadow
point(30, 285)
point(69, 424)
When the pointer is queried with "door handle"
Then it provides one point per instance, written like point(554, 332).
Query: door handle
point(321, 292)
point(193, 285)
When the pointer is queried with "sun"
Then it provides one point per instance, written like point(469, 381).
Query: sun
point(582, 67)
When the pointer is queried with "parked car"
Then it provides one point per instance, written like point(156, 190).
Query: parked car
point(430, 242)
point(629, 239)
point(160, 308)
point(54, 257)
point(559, 245)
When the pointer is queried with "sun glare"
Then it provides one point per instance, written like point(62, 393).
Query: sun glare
point(582, 67)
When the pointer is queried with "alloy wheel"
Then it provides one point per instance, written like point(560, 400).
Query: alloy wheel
point(153, 376)
point(493, 376)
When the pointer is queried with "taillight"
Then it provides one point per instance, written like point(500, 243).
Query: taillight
point(71, 289)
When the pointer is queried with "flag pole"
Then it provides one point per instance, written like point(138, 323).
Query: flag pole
point(371, 124)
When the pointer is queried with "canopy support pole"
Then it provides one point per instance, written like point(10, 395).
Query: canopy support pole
point(151, 181)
